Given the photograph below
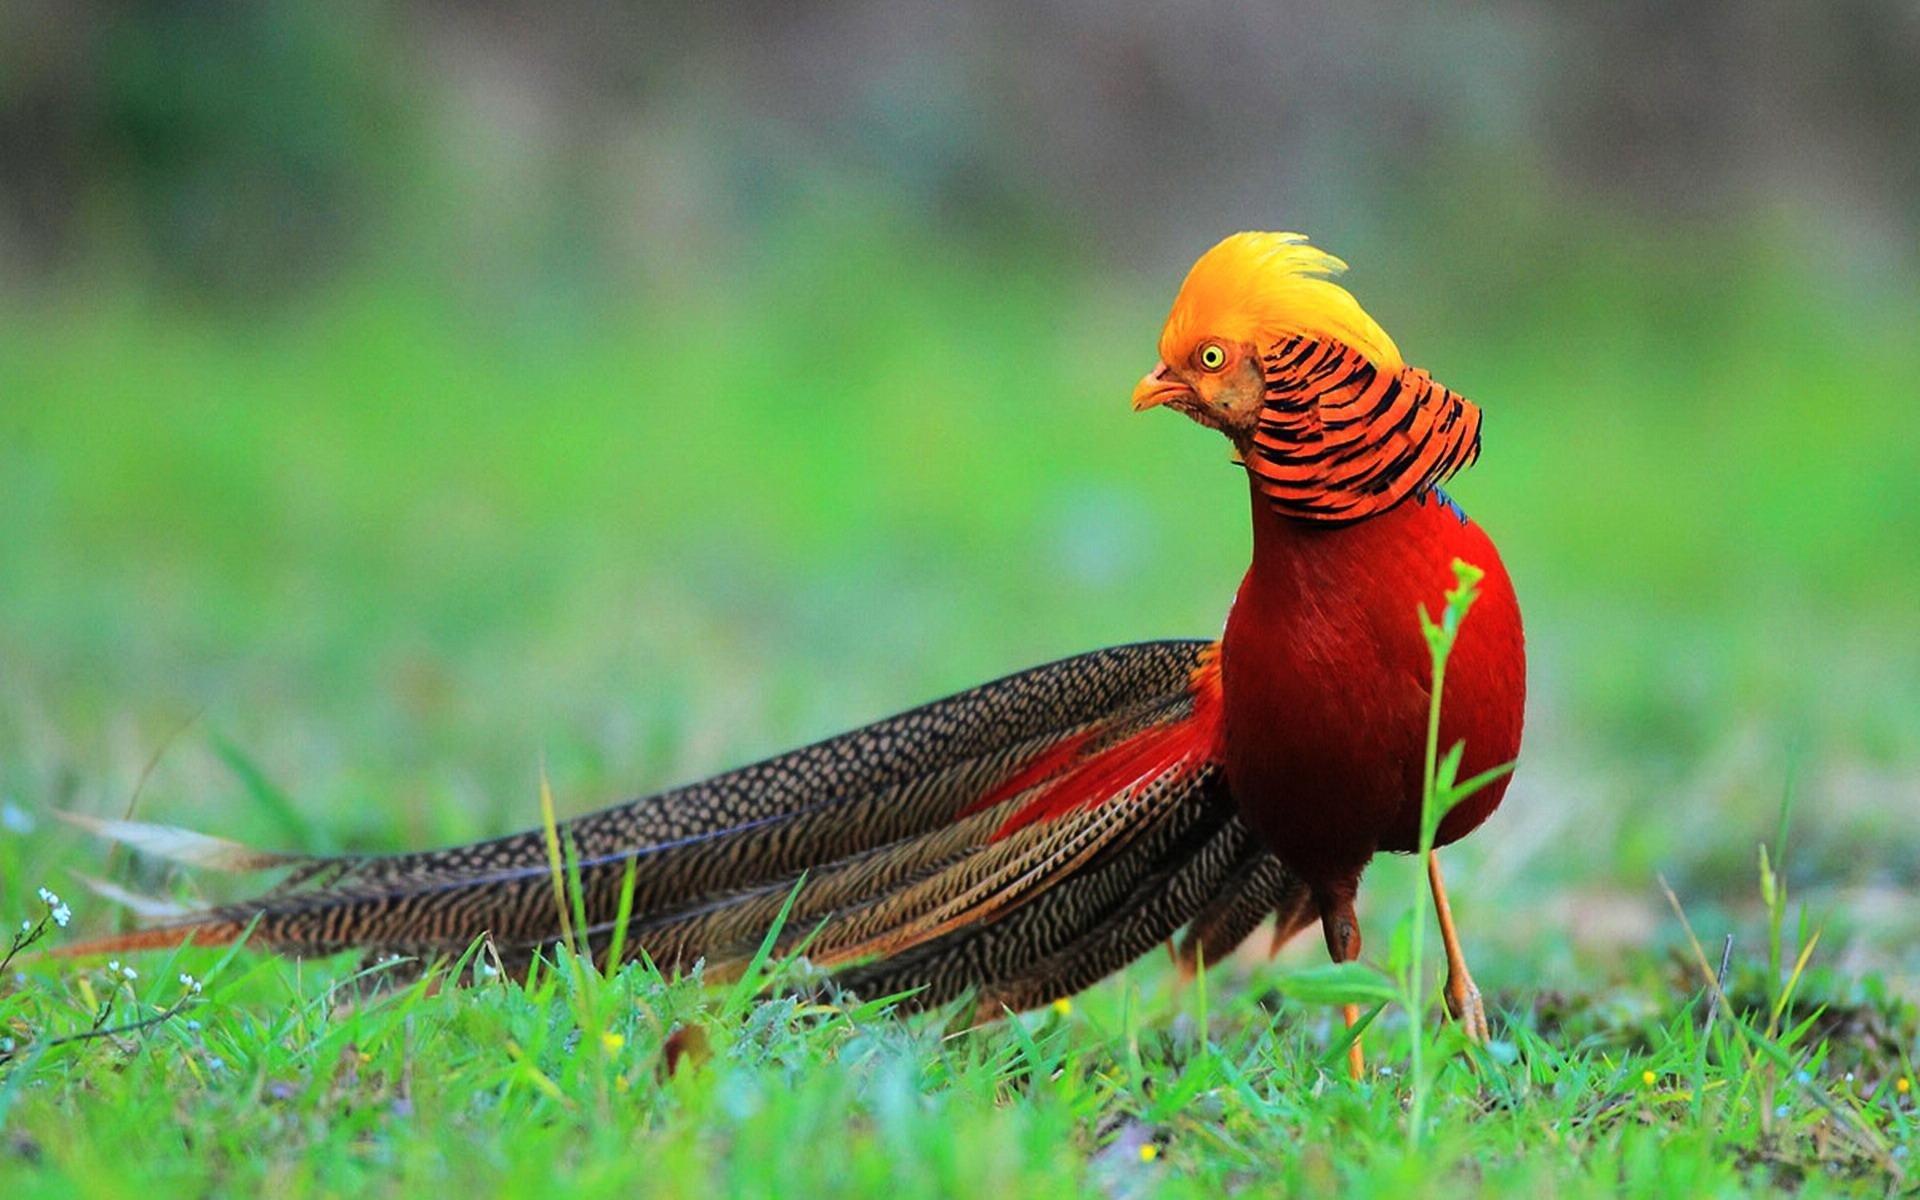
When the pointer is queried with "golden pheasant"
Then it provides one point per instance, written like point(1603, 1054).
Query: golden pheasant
point(1024, 839)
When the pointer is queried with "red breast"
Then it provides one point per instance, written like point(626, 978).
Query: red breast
point(1326, 678)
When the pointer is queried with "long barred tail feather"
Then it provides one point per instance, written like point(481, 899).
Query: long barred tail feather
point(1260, 886)
point(1016, 841)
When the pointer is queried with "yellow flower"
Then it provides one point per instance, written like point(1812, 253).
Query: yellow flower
point(1148, 1152)
point(1648, 1078)
point(1063, 1006)
point(612, 1042)
point(1903, 1086)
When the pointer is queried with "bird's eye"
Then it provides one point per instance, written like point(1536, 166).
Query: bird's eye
point(1211, 356)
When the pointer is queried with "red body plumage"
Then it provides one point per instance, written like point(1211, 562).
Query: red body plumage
point(1326, 681)
point(1317, 701)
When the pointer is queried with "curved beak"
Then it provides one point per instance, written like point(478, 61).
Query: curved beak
point(1157, 387)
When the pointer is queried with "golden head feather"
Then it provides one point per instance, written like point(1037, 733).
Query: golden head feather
point(1261, 287)
point(1322, 411)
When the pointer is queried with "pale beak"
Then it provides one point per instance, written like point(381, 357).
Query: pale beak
point(1157, 387)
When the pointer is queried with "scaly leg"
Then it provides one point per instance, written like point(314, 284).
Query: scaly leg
point(1342, 930)
point(1463, 995)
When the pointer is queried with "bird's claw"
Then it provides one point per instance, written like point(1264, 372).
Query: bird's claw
point(1463, 1001)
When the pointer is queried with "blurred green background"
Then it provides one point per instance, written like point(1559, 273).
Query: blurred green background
point(397, 396)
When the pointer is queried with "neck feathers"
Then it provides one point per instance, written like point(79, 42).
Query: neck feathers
point(1340, 438)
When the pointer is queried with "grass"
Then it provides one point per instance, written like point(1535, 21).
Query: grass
point(348, 573)
point(289, 1077)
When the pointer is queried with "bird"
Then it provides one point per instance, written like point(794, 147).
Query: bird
point(1019, 841)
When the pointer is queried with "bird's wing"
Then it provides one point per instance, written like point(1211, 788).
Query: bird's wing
point(1018, 840)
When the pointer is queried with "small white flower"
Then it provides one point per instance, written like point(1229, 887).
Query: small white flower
point(190, 983)
point(113, 966)
point(48, 898)
point(61, 915)
point(26, 927)
point(129, 972)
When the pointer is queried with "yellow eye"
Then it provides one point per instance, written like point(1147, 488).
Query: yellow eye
point(1211, 357)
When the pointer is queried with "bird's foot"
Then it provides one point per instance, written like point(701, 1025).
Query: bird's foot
point(1463, 1001)
point(1356, 1057)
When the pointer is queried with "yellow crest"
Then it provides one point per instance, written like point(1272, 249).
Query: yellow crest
point(1261, 287)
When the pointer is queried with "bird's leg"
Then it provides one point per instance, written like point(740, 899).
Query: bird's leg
point(1342, 930)
point(1463, 995)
